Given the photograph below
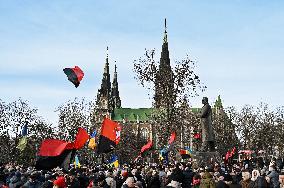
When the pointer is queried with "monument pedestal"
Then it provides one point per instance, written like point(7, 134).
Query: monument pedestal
point(206, 158)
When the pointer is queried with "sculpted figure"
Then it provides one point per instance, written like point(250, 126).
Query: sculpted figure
point(208, 138)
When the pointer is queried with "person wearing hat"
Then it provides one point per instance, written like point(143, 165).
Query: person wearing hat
point(48, 181)
point(59, 182)
point(257, 180)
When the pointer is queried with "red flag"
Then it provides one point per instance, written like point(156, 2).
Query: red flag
point(108, 136)
point(196, 136)
point(147, 146)
point(172, 138)
point(81, 138)
point(227, 155)
point(53, 147)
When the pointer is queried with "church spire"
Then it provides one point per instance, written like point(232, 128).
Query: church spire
point(116, 102)
point(164, 84)
point(103, 97)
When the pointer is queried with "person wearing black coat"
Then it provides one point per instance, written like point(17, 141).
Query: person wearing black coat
point(188, 175)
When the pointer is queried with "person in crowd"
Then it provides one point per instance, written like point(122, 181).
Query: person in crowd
point(207, 181)
point(32, 182)
point(273, 177)
point(130, 182)
point(60, 182)
point(245, 183)
point(281, 179)
point(110, 180)
point(257, 181)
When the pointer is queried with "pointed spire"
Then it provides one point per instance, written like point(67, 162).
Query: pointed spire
point(106, 70)
point(116, 102)
point(165, 34)
point(103, 97)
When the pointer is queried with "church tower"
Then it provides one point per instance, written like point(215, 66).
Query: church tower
point(116, 102)
point(164, 83)
point(104, 93)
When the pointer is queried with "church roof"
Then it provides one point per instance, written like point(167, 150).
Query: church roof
point(132, 114)
point(137, 114)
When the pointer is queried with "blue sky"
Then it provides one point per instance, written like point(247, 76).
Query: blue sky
point(238, 46)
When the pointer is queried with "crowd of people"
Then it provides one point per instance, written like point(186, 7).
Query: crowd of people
point(245, 174)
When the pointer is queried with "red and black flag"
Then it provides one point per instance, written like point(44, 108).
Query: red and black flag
point(75, 75)
point(108, 137)
point(54, 152)
point(146, 147)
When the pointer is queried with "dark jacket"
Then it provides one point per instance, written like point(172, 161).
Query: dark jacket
point(260, 182)
point(188, 175)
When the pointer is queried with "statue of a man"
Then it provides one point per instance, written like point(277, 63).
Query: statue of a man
point(208, 138)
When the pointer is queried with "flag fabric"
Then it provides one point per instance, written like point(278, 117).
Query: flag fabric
point(185, 153)
point(117, 134)
point(114, 161)
point(92, 142)
point(54, 152)
point(24, 140)
point(163, 154)
point(49, 162)
point(146, 147)
point(94, 134)
point(25, 129)
point(22, 143)
point(172, 137)
point(75, 75)
point(81, 138)
point(197, 136)
point(107, 140)
point(77, 162)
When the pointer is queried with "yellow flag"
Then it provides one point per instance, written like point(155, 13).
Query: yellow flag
point(22, 143)
point(92, 143)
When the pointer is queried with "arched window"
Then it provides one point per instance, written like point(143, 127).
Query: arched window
point(145, 133)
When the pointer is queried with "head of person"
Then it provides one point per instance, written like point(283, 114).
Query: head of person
point(245, 175)
point(59, 182)
point(281, 178)
point(204, 100)
point(254, 175)
point(130, 182)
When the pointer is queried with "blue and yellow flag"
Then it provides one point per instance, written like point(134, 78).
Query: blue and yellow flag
point(114, 161)
point(77, 162)
point(92, 142)
point(23, 141)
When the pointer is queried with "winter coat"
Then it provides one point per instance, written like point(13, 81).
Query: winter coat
point(15, 182)
point(32, 184)
point(221, 184)
point(207, 181)
point(274, 179)
point(154, 182)
point(260, 182)
point(177, 175)
point(188, 176)
point(245, 184)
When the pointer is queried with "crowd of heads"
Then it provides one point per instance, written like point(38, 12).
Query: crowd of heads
point(247, 174)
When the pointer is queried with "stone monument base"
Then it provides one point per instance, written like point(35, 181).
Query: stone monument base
point(206, 158)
